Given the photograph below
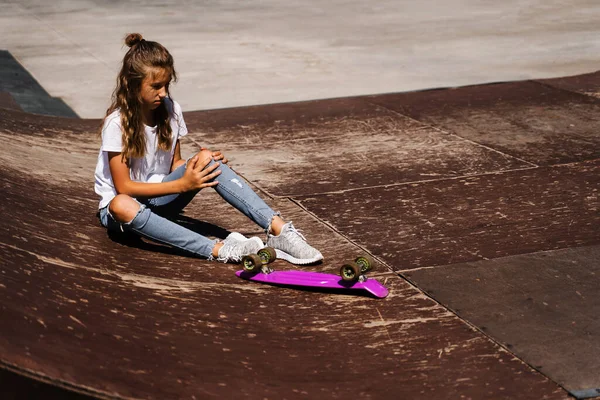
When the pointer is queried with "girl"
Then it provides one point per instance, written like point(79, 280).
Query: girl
point(142, 179)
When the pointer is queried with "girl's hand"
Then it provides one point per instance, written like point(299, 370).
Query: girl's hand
point(198, 176)
point(218, 156)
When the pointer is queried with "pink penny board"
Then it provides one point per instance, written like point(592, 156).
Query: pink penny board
point(316, 280)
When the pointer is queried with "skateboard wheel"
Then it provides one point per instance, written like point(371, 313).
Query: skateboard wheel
point(366, 263)
point(350, 271)
point(251, 263)
point(267, 255)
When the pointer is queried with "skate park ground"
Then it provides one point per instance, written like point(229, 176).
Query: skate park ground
point(467, 164)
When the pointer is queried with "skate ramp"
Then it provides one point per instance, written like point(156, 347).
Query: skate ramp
point(480, 204)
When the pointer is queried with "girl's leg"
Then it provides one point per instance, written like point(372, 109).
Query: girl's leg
point(286, 239)
point(140, 219)
point(239, 194)
point(125, 213)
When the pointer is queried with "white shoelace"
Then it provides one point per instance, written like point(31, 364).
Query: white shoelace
point(296, 231)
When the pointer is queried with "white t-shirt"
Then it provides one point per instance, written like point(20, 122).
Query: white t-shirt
point(152, 168)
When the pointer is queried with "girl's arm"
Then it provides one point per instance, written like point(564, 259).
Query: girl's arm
point(196, 176)
point(177, 160)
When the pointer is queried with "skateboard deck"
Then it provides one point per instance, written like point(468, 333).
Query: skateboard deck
point(307, 279)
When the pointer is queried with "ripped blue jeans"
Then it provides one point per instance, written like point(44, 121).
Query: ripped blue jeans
point(150, 220)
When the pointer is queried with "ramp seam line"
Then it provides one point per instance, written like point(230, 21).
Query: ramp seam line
point(441, 179)
point(474, 328)
point(333, 228)
point(453, 134)
point(486, 335)
point(422, 181)
point(574, 92)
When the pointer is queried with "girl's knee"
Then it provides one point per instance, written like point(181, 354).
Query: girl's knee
point(204, 154)
point(123, 208)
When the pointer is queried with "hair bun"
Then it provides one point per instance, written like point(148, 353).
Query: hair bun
point(133, 39)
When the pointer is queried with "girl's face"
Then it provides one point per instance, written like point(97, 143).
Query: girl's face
point(154, 87)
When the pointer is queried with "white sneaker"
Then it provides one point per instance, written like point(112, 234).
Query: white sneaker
point(235, 246)
point(291, 246)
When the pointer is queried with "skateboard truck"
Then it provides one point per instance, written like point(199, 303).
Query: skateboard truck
point(259, 262)
point(355, 270)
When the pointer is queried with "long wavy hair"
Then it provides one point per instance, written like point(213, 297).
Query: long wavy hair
point(142, 56)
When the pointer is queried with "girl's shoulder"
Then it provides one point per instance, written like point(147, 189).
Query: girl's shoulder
point(112, 118)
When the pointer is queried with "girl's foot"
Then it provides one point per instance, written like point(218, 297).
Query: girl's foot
point(235, 246)
point(291, 246)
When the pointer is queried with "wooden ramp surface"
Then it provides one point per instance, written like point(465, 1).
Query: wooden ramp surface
point(480, 203)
